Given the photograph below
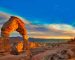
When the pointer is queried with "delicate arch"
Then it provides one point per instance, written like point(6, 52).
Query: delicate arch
point(14, 24)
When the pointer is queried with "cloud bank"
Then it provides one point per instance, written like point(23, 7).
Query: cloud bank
point(54, 30)
point(44, 30)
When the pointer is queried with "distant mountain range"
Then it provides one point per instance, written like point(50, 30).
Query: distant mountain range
point(42, 40)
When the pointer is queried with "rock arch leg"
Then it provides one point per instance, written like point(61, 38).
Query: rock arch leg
point(26, 48)
point(6, 42)
point(23, 32)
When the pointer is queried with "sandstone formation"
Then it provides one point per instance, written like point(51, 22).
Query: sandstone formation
point(13, 24)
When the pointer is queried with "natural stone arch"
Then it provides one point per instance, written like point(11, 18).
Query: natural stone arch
point(14, 24)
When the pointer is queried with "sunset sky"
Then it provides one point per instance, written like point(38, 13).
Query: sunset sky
point(44, 18)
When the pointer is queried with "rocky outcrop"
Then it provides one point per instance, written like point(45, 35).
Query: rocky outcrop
point(72, 41)
point(13, 24)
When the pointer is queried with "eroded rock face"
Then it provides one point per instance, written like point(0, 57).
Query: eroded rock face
point(55, 55)
point(13, 24)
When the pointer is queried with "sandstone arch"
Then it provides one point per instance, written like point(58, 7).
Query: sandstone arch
point(14, 24)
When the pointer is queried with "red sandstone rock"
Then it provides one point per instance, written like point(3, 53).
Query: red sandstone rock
point(13, 24)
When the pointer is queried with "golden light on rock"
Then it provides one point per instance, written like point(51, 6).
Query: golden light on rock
point(14, 24)
point(33, 45)
point(20, 47)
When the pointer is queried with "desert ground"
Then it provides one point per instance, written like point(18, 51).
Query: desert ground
point(59, 52)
